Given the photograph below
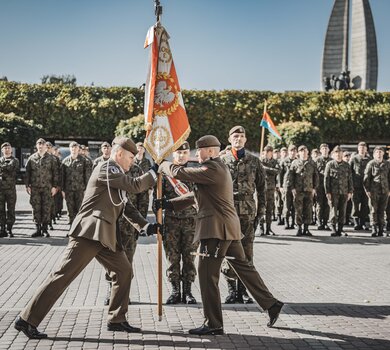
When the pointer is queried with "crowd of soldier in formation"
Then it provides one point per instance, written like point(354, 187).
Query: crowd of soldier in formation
point(301, 189)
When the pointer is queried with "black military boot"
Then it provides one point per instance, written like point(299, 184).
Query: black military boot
point(231, 298)
point(45, 231)
point(334, 231)
point(108, 295)
point(280, 220)
point(262, 232)
point(38, 232)
point(299, 232)
point(9, 231)
point(306, 231)
point(292, 222)
point(380, 230)
point(268, 230)
point(187, 297)
point(51, 225)
point(287, 222)
point(175, 297)
point(242, 294)
point(374, 231)
point(358, 225)
point(326, 227)
point(3, 233)
point(321, 226)
point(340, 231)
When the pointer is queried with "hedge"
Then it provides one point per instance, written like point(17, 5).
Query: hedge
point(95, 112)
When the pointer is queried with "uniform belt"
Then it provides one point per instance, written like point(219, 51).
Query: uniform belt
point(242, 197)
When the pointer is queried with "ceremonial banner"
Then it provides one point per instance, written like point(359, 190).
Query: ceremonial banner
point(166, 119)
point(267, 123)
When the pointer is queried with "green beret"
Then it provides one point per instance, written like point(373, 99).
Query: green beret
point(362, 143)
point(238, 129)
point(105, 144)
point(208, 141)
point(5, 144)
point(41, 140)
point(126, 143)
point(268, 149)
point(185, 145)
point(337, 149)
point(324, 145)
point(379, 148)
point(301, 148)
point(73, 144)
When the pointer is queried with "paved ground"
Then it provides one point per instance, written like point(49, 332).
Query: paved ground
point(336, 293)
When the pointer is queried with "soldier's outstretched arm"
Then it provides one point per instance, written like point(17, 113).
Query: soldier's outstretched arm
point(202, 175)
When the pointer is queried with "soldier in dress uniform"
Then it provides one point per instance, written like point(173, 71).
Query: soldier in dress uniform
point(288, 198)
point(74, 170)
point(271, 167)
point(218, 230)
point(358, 164)
point(9, 166)
point(179, 229)
point(248, 181)
point(303, 181)
point(94, 235)
point(322, 201)
point(41, 184)
point(105, 148)
point(377, 185)
point(338, 188)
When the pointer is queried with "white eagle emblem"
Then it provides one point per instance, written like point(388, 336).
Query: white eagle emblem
point(114, 170)
point(163, 94)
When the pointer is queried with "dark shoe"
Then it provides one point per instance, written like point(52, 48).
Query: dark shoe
point(29, 330)
point(306, 231)
point(9, 231)
point(321, 227)
point(38, 232)
point(205, 330)
point(358, 225)
point(280, 220)
point(273, 313)
point(327, 228)
point(122, 327)
point(44, 230)
point(374, 231)
point(299, 232)
point(231, 298)
point(175, 297)
point(51, 227)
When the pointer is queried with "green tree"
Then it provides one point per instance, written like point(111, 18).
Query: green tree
point(133, 128)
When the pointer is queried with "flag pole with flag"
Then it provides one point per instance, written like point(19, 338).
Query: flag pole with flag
point(267, 123)
point(166, 121)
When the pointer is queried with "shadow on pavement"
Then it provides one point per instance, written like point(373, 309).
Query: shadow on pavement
point(326, 239)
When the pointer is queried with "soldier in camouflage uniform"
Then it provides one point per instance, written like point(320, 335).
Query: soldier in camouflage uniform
point(358, 164)
point(41, 184)
point(348, 219)
point(377, 185)
point(322, 201)
point(58, 199)
point(74, 170)
point(338, 188)
point(248, 181)
point(141, 166)
point(271, 167)
point(9, 166)
point(288, 199)
point(303, 181)
point(105, 148)
point(84, 152)
point(179, 229)
point(50, 151)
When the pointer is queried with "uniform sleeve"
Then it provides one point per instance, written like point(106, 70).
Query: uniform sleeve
point(350, 181)
point(27, 177)
point(63, 176)
point(316, 177)
point(367, 178)
point(327, 178)
point(56, 172)
point(260, 188)
point(202, 175)
point(132, 214)
point(183, 202)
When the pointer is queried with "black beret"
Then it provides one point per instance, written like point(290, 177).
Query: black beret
point(126, 143)
point(208, 141)
point(5, 144)
point(105, 144)
point(185, 145)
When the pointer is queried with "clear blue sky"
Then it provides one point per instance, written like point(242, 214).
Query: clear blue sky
point(217, 44)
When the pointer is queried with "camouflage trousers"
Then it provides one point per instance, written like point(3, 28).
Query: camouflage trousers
point(338, 208)
point(303, 203)
point(41, 201)
point(278, 202)
point(360, 204)
point(288, 203)
point(378, 205)
point(248, 231)
point(59, 202)
point(178, 245)
point(388, 210)
point(73, 202)
point(323, 209)
point(269, 205)
point(7, 207)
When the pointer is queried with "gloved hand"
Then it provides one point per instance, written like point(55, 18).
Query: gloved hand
point(151, 229)
point(161, 203)
point(155, 167)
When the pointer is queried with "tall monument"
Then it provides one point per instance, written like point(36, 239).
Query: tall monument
point(351, 21)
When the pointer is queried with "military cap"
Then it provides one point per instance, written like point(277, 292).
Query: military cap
point(238, 129)
point(49, 144)
point(140, 144)
point(283, 149)
point(208, 141)
point(379, 148)
point(106, 144)
point(185, 145)
point(292, 147)
point(276, 150)
point(346, 153)
point(126, 143)
point(362, 143)
point(336, 149)
point(5, 144)
point(82, 147)
point(73, 144)
point(41, 140)
point(301, 148)
point(324, 145)
point(268, 148)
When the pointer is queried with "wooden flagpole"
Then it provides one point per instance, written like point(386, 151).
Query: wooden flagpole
point(159, 250)
point(262, 130)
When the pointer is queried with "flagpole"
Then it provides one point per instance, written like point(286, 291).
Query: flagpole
point(262, 130)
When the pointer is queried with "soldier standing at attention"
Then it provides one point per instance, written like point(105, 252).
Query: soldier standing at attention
point(105, 147)
point(322, 201)
point(74, 172)
point(283, 153)
point(348, 212)
point(338, 189)
point(271, 167)
point(50, 151)
point(285, 189)
point(377, 185)
point(179, 235)
point(141, 166)
point(358, 164)
point(303, 181)
point(248, 181)
point(9, 166)
point(41, 184)
point(218, 230)
point(84, 152)
point(58, 199)
point(277, 154)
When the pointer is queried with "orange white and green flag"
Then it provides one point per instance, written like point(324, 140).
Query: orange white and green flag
point(166, 121)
